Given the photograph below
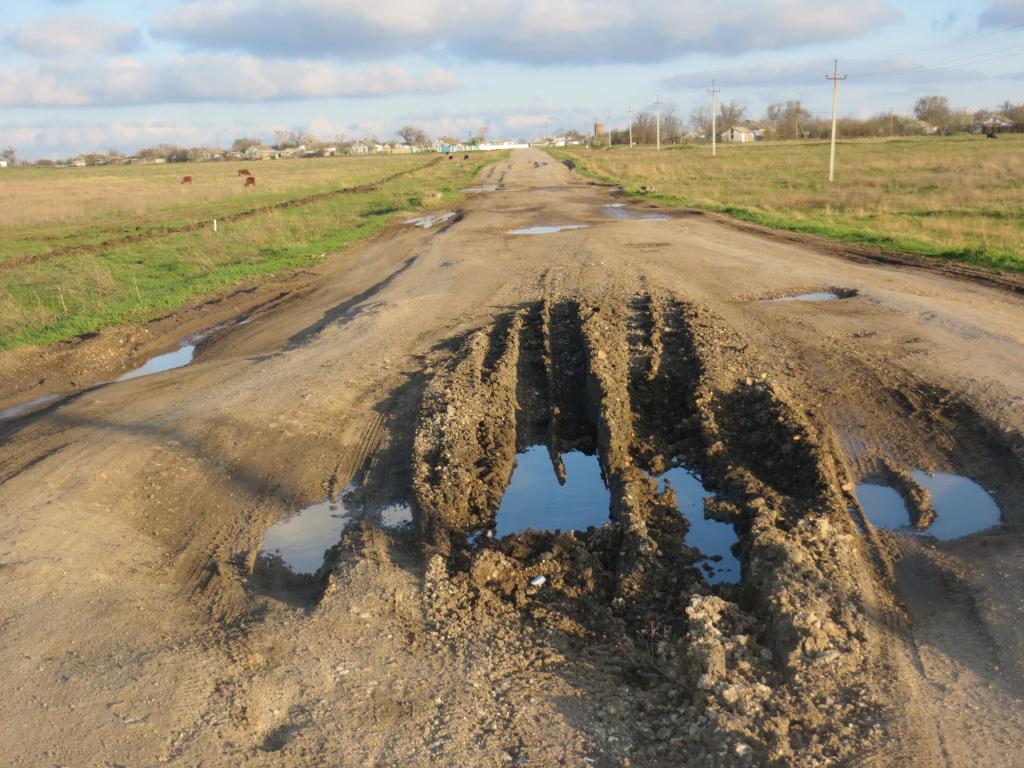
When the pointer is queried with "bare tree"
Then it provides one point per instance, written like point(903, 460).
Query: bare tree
point(934, 110)
point(412, 136)
point(10, 154)
point(730, 115)
point(242, 144)
point(700, 120)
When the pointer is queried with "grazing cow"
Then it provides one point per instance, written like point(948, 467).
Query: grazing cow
point(465, 157)
point(186, 179)
point(991, 134)
point(450, 157)
point(250, 181)
point(244, 172)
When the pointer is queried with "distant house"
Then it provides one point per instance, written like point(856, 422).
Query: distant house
point(366, 147)
point(78, 162)
point(994, 124)
point(3, 162)
point(737, 135)
point(261, 152)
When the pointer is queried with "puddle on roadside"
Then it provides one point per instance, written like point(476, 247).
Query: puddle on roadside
point(24, 409)
point(962, 507)
point(302, 540)
point(396, 515)
point(815, 296)
point(431, 219)
point(714, 539)
point(545, 229)
point(168, 361)
point(481, 188)
point(535, 499)
point(620, 211)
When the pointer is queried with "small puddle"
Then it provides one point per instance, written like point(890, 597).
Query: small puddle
point(832, 295)
point(545, 230)
point(713, 538)
point(535, 499)
point(167, 362)
point(396, 515)
point(481, 188)
point(303, 539)
point(431, 219)
point(962, 506)
point(620, 211)
point(31, 406)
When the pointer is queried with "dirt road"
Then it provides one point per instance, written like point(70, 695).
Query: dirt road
point(140, 626)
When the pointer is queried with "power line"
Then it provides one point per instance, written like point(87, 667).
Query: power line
point(961, 61)
point(961, 41)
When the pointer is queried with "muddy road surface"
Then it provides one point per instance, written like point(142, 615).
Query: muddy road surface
point(559, 480)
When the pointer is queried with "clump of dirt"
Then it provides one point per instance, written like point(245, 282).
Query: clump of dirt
point(772, 671)
point(917, 498)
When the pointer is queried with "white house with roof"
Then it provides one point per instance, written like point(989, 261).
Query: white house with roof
point(738, 134)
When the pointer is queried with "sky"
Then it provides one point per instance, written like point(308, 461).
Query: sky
point(93, 75)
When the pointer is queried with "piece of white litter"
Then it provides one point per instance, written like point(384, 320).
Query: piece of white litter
point(538, 581)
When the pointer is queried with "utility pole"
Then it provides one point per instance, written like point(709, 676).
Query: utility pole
point(609, 131)
point(657, 121)
point(545, 131)
point(714, 91)
point(835, 78)
point(630, 111)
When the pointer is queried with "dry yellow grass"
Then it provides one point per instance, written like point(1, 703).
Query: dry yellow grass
point(32, 197)
point(960, 197)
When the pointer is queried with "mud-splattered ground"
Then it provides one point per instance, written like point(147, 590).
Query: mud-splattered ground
point(142, 624)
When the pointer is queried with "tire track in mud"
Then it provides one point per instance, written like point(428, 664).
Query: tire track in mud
point(780, 667)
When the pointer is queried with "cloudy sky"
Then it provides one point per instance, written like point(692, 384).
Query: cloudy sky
point(81, 75)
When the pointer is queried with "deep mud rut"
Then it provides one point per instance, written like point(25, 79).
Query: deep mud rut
point(141, 626)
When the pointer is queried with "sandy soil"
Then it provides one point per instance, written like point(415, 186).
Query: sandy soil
point(139, 627)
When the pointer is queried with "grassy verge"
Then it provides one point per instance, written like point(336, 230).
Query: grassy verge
point(68, 295)
point(960, 199)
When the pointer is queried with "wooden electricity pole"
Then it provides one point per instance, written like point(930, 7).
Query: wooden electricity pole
point(835, 78)
point(630, 112)
point(657, 122)
point(714, 91)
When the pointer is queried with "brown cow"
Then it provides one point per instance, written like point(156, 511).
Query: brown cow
point(186, 179)
point(244, 172)
point(250, 181)
point(450, 156)
point(465, 157)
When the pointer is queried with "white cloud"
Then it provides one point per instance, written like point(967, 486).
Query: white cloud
point(529, 31)
point(74, 35)
point(204, 77)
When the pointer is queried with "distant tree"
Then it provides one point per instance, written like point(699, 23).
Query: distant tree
point(412, 136)
point(242, 144)
point(10, 154)
point(794, 120)
point(700, 120)
point(934, 110)
point(730, 115)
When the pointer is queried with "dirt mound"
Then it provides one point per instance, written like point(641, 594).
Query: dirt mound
point(770, 671)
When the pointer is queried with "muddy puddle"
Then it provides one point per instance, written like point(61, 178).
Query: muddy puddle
point(431, 219)
point(481, 188)
point(302, 540)
point(620, 211)
point(712, 538)
point(536, 499)
point(168, 361)
point(833, 294)
point(545, 229)
point(962, 506)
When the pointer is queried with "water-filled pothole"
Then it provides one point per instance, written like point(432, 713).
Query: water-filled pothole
point(536, 499)
point(481, 188)
point(168, 361)
point(962, 506)
point(832, 294)
point(431, 219)
point(302, 540)
point(545, 229)
point(713, 538)
point(620, 211)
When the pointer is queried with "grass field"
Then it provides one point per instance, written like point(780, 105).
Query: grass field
point(84, 248)
point(956, 198)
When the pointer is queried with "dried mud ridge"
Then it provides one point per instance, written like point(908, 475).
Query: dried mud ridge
point(205, 224)
point(776, 670)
